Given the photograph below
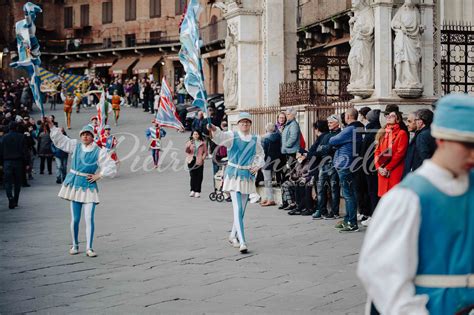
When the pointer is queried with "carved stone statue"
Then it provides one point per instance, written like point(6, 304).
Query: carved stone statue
point(407, 48)
point(230, 67)
point(361, 56)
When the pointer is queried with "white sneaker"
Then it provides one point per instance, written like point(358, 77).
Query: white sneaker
point(91, 253)
point(74, 250)
point(366, 222)
point(197, 195)
point(191, 194)
point(243, 249)
point(359, 217)
point(234, 242)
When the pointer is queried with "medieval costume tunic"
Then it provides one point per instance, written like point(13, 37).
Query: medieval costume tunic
point(243, 152)
point(85, 160)
point(418, 254)
point(154, 135)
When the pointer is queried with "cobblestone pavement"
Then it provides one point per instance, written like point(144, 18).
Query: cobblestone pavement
point(161, 252)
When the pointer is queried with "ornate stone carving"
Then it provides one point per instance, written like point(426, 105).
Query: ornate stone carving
point(228, 5)
point(230, 67)
point(361, 56)
point(407, 50)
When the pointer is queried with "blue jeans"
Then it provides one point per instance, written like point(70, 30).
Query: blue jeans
point(346, 179)
point(328, 177)
point(61, 168)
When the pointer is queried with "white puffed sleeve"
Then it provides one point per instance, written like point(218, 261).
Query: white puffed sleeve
point(62, 142)
point(224, 138)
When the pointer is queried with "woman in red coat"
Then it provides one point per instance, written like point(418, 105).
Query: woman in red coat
point(390, 153)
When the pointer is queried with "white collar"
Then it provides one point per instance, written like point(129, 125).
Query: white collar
point(443, 179)
point(246, 138)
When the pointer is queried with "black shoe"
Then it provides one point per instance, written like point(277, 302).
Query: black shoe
point(58, 181)
point(290, 207)
point(11, 204)
point(283, 206)
point(295, 212)
point(26, 185)
point(41, 173)
point(307, 212)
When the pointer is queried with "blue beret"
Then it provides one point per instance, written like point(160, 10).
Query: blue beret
point(87, 128)
point(453, 118)
point(244, 115)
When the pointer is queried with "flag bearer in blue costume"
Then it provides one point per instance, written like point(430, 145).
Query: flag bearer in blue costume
point(80, 185)
point(245, 157)
point(418, 254)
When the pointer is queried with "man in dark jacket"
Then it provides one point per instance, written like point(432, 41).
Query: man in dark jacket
point(14, 153)
point(422, 145)
point(347, 144)
point(370, 177)
point(326, 176)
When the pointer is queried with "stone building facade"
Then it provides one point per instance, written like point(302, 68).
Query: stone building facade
point(122, 38)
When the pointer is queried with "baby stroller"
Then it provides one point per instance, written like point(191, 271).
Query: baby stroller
point(218, 182)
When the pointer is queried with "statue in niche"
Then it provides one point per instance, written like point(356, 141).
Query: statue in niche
point(361, 56)
point(407, 46)
point(230, 67)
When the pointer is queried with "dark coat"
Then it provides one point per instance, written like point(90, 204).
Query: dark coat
point(13, 147)
point(421, 147)
point(368, 146)
point(271, 144)
point(44, 144)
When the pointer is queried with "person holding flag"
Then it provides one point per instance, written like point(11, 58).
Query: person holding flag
point(154, 135)
point(80, 185)
point(245, 155)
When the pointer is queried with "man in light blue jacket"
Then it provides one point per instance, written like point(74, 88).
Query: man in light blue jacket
point(290, 137)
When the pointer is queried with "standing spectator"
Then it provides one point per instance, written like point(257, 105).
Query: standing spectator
point(280, 170)
point(44, 149)
point(196, 151)
point(13, 152)
point(290, 137)
point(327, 175)
point(390, 152)
point(181, 88)
point(271, 144)
point(422, 146)
point(363, 115)
point(281, 122)
point(199, 123)
point(61, 161)
point(345, 143)
point(370, 173)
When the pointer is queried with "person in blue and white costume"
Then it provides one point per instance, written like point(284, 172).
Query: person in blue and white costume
point(80, 185)
point(245, 157)
point(418, 254)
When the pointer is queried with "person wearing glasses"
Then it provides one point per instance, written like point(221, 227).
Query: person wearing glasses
point(392, 144)
point(422, 145)
point(417, 256)
point(245, 157)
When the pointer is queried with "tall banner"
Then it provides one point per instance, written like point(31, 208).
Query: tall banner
point(190, 55)
point(29, 51)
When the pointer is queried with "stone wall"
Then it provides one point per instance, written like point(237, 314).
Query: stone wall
point(312, 11)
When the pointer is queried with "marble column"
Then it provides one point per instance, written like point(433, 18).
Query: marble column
point(384, 70)
point(427, 60)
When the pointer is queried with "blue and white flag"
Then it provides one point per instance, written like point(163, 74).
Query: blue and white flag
point(190, 55)
point(28, 51)
point(166, 114)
